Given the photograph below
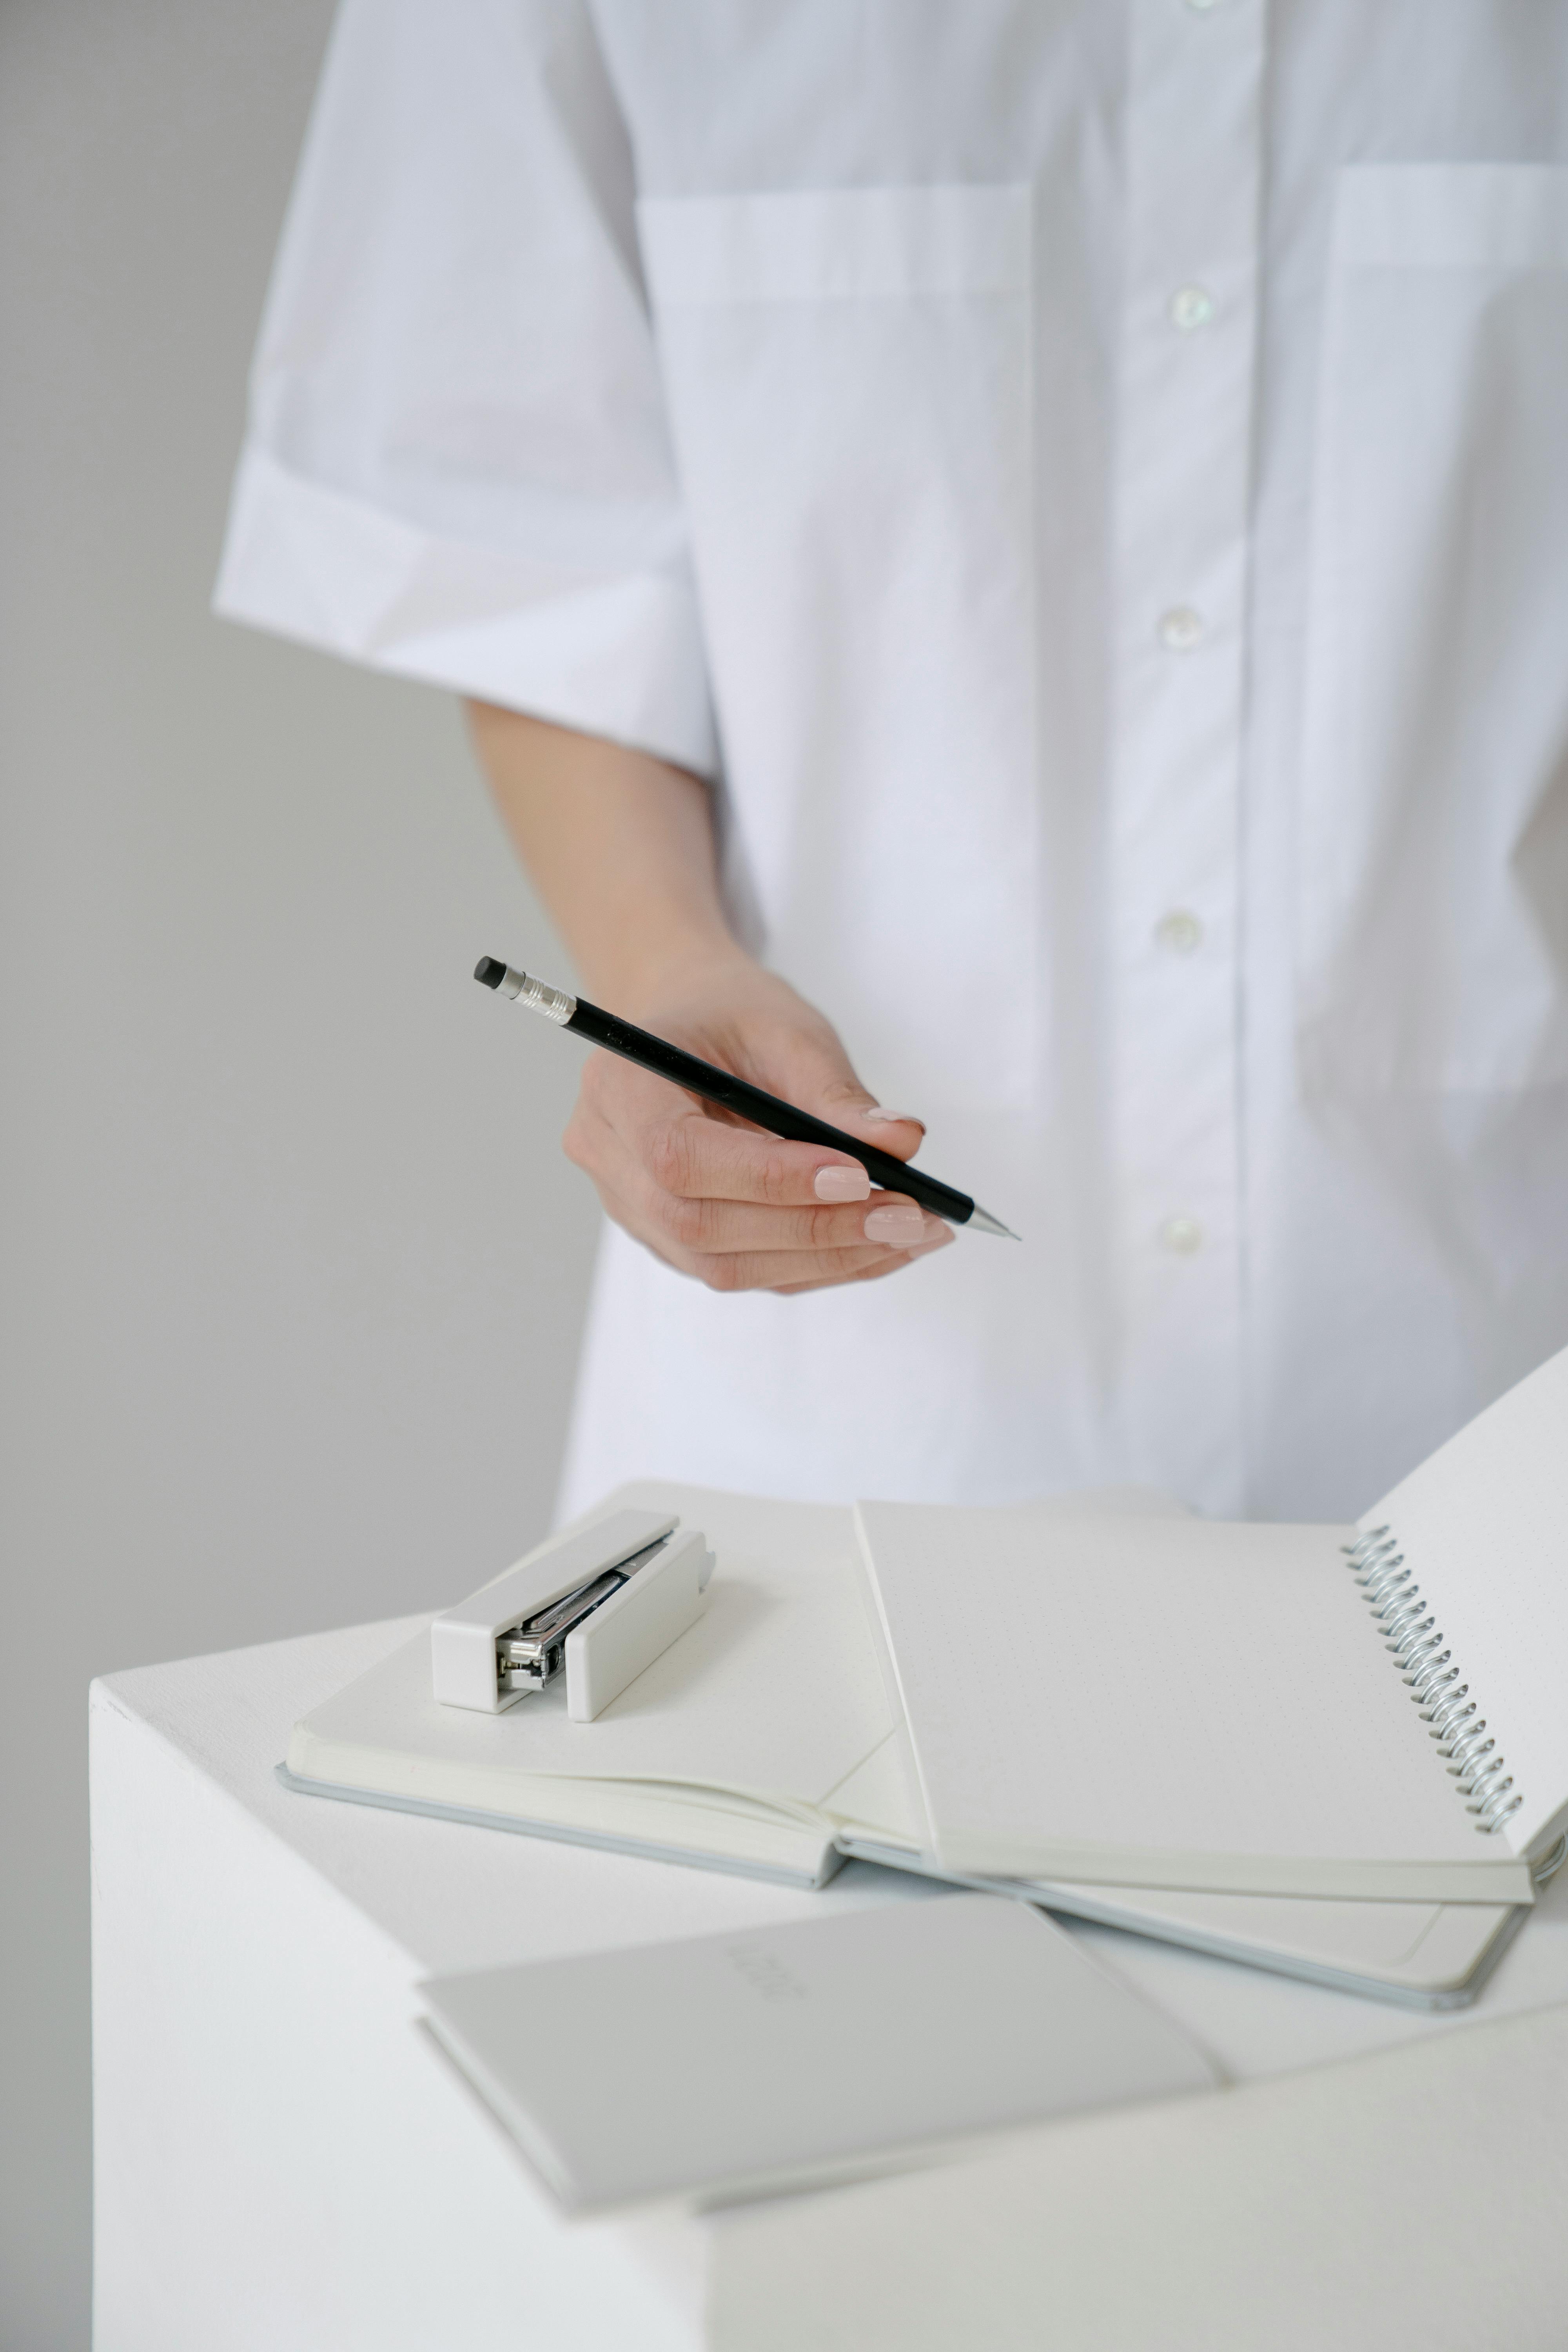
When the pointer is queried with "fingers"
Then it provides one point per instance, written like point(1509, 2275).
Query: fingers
point(695, 1157)
point(797, 1271)
point(737, 1228)
point(627, 1120)
point(892, 1131)
point(809, 1066)
point(738, 1208)
point(738, 1246)
point(891, 1265)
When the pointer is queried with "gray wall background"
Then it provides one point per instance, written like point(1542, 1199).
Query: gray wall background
point(293, 1271)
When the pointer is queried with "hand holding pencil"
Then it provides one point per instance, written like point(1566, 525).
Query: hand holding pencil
point(668, 1127)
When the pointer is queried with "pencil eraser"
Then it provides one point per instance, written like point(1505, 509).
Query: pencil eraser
point(490, 971)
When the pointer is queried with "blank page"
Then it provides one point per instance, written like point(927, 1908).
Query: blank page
point(1423, 1951)
point(772, 1694)
point(1165, 1703)
point(1484, 1525)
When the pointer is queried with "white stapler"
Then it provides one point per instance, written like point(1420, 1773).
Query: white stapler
point(600, 1604)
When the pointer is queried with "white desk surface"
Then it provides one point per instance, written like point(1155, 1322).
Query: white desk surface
point(1413, 2197)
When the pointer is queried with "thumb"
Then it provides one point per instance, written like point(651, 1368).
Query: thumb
point(898, 1133)
point(822, 1079)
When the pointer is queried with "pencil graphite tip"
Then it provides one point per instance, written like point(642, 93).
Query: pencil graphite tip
point(981, 1221)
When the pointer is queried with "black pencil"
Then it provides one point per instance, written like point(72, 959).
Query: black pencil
point(717, 1085)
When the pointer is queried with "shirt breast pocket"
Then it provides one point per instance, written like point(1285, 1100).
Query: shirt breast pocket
point(1432, 935)
point(848, 378)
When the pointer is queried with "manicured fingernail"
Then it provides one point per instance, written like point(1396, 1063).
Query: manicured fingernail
point(902, 1227)
point(841, 1185)
point(875, 1115)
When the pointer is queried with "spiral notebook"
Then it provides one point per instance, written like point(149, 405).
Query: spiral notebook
point(1293, 1711)
point(764, 1741)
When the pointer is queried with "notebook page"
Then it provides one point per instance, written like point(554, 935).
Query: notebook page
point(1162, 1703)
point(1379, 1941)
point(1484, 1524)
point(775, 1693)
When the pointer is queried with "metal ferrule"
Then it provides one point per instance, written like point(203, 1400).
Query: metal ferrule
point(539, 996)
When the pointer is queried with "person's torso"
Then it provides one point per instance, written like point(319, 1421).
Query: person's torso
point(1125, 459)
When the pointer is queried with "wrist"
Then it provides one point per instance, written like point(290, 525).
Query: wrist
point(672, 963)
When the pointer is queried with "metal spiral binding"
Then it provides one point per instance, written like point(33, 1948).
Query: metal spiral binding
point(1394, 1599)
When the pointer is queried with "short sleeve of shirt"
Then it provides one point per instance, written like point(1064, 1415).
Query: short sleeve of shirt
point(457, 464)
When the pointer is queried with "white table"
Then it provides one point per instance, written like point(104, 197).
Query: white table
point(284, 2163)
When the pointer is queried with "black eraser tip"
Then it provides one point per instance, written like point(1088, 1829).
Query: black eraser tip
point(491, 973)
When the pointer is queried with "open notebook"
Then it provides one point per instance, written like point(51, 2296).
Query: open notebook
point(764, 1741)
point(1275, 1710)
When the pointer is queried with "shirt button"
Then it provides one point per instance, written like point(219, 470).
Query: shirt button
point(1178, 933)
point(1191, 307)
point(1181, 628)
point(1182, 1234)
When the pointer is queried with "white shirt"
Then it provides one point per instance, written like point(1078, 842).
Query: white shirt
point(1089, 482)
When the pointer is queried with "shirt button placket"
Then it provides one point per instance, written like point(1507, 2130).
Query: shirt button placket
point(1192, 147)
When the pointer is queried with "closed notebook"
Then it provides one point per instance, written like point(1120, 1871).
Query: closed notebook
point(763, 1742)
point(1272, 1710)
point(733, 2064)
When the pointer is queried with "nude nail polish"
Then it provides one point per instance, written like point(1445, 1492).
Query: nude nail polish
point(900, 1227)
point(875, 1115)
point(841, 1185)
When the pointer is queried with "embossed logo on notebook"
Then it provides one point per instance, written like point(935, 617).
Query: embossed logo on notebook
point(765, 1973)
